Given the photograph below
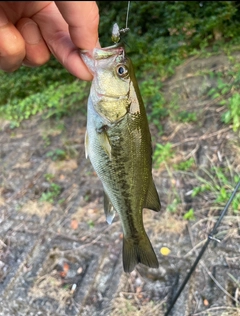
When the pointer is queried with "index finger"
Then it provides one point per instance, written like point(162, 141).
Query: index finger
point(83, 19)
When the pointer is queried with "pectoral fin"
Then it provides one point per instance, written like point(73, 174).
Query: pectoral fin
point(152, 200)
point(86, 145)
point(108, 209)
point(104, 140)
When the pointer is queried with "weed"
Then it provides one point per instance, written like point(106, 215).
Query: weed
point(70, 149)
point(49, 177)
point(184, 165)
point(60, 126)
point(189, 215)
point(178, 115)
point(232, 115)
point(220, 185)
point(154, 101)
point(46, 140)
point(52, 193)
point(186, 117)
point(172, 207)
point(226, 92)
point(57, 154)
point(162, 153)
point(91, 224)
point(87, 197)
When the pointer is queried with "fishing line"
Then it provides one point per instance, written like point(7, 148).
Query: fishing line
point(116, 32)
point(126, 28)
point(128, 8)
point(210, 237)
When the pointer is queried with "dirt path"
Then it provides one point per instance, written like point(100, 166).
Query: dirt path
point(58, 256)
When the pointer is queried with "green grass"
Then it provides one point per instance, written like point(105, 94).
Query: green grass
point(53, 191)
point(189, 215)
point(227, 93)
point(232, 115)
point(219, 184)
point(57, 154)
point(162, 153)
point(184, 165)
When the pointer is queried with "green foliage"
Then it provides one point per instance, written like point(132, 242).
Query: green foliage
point(52, 193)
point(200, 189)
point(184, 165)
point(233, 113)
point(46, 140)
point(173, 206)
point(189, 215)
point(226, 92)
point(49, 177)
point(57, 154)
point(49, 89)
point(91, 224)
point(162, 35)
point(172, 30)
point(186, 117)
point(221, 184)
point(154, 100)
point(162, 153)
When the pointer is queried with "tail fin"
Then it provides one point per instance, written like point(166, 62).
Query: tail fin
point(138, 251)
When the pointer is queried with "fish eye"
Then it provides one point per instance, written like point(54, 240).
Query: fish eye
point(122, 70)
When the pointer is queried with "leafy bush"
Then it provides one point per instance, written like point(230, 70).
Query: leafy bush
point(162, 35)
point(30, 91)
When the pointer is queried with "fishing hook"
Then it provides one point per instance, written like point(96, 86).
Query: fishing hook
point(116, 32)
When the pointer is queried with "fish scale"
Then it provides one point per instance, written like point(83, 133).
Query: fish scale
point(118, 144)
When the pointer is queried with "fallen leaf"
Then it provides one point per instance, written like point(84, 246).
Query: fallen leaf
point(205, 302)
point(65, 270)
point(74, 224)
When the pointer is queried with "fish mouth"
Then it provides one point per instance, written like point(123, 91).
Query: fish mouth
point(107, 96)
point(117, 45)
point(105, 52)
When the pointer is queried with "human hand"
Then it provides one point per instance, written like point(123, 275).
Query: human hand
point(30, 30)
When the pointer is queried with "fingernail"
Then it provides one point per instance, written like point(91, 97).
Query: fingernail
point(31, 33)
point(3, 19)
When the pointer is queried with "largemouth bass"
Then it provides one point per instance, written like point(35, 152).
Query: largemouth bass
point(118, 143)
